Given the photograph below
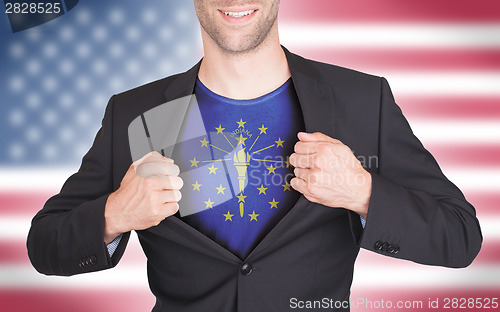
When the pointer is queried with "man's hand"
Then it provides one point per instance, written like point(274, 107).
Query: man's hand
point(148, 193)
point(327, 172)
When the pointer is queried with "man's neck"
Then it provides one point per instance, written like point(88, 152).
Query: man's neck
point(244, 75)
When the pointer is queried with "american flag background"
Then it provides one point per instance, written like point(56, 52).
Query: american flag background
point(441, 57)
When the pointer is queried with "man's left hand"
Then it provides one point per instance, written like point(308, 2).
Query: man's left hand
point(327, 172)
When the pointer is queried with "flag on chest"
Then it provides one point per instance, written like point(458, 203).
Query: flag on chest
point(237, 176)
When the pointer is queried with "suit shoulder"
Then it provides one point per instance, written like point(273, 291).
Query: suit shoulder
point(338, 74)
point(153, 88)
point(130, 104)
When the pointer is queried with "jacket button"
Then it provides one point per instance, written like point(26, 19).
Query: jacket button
point(390, 249)
point(395, 249)
point(378, 245)
point(384, 246)
point(93, 260)
point(246, 269)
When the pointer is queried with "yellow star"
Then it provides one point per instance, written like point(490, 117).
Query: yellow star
point(271, 169)
point(219, 129)
point(204, 142)
point(274, 204)
point(194, 162)
point(241, 139)
point(228, 216)
point(220, 189)
point(286, 187)
point(209, 203)
point(196, 186)
point(263, 129)
point(279, 142)
point(241, 123)
point(253, 216)
point(262, 189)
point(241, 198)
point(212, 169)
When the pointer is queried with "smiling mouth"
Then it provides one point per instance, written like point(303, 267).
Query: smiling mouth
point(239, 14)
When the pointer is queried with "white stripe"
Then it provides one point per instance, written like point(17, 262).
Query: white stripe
point(470, 83)
point(419, 276)
point(472, 180)
point(384, 276)
point(469, 179)
point(123, 277)
point(370, 36)
point(430, 132)
point(16, 228)
point(43, 180)
point(457, 131)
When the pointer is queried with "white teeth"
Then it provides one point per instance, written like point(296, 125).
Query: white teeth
point(239, 14)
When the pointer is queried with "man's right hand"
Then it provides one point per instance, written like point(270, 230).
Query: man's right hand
point(148, 193)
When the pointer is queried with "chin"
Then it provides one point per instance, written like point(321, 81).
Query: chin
point(240, 44)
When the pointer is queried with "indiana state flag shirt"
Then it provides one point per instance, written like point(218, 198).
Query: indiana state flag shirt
point(237, 176)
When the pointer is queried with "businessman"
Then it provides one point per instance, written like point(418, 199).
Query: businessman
point(278, 115)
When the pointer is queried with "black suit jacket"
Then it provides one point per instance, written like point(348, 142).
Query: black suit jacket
point(415, 213)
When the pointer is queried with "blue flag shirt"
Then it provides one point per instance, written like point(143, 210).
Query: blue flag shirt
point(236, 178)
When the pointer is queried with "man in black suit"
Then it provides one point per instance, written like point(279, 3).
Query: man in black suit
point(411, 209)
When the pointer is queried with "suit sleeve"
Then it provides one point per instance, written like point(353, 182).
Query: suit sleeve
point(67, 235)
point(415, 212)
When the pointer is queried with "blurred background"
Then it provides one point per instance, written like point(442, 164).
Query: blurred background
point(442, 59)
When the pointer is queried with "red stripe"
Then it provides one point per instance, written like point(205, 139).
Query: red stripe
point(450, 107)
point(391, 11)
point(106, 300)
point(18, 202)
point(486, 204)
point(383, 60)
point(463, 156)
point(368, 299)
point(77, 300)
point(14, 252)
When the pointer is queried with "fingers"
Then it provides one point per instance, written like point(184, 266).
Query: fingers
point(171, 208)
point(306, 148)
point(304, 161)
point(303, 174)
point(152, 157)
point(310, 176)
point(316, 137)
point(171, 183)
point(302, 187)
point(171, 196)
point(156, 169)
point(311, 143)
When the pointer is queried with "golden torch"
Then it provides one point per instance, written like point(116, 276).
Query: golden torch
point(241, 161)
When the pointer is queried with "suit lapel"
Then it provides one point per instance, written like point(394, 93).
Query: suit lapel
point(315, 97)
point(317, 104)
point(183, 84)
point(181, 88)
